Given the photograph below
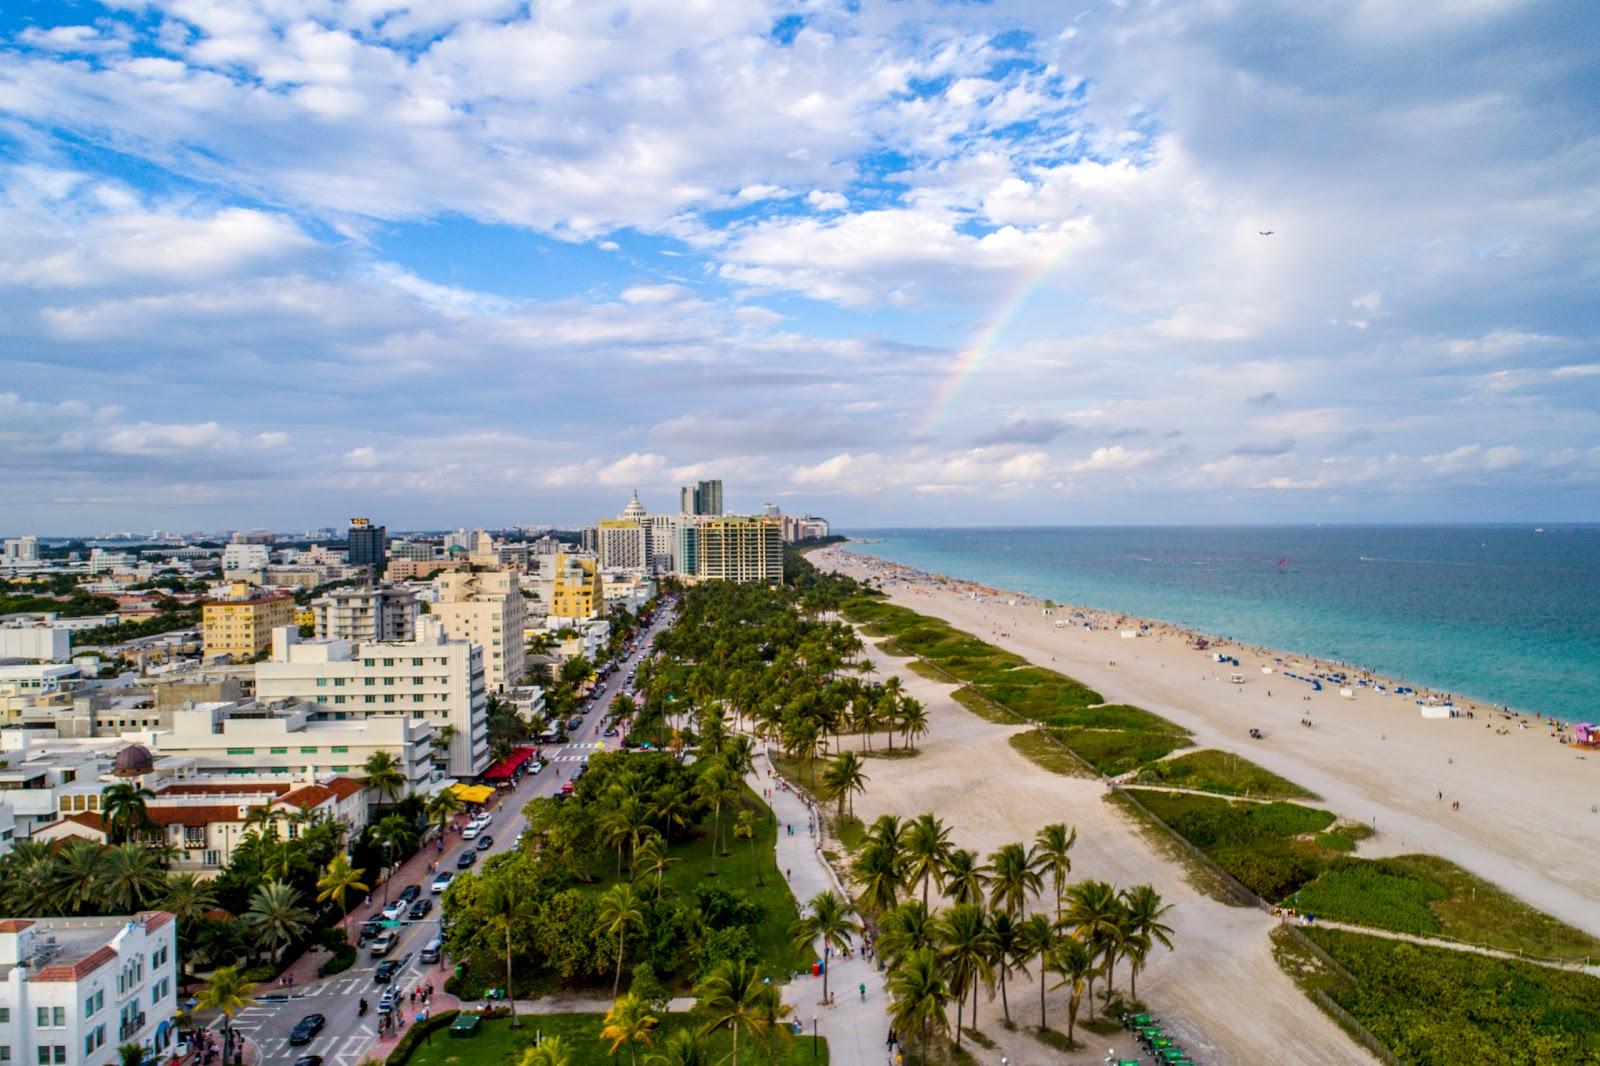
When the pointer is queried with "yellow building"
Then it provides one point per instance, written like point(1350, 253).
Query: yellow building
point(305, 616)
point(241, 623)
point(577, 591)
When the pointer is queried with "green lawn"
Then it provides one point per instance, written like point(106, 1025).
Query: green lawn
point(1427, 895)
point(1221, 772)
point(1047, 753)
point(1117, 751)
point(1270, 847)
point(1437, 1007)
point(498, 1044)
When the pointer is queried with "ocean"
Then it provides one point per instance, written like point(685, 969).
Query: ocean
point(1502, 614)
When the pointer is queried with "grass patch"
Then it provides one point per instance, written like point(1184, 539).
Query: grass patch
point(1052, 1038)
point(1101, 1025)
point(1115, 751)
point(983, 707)
point(1039, 748)
point(1202, 876)
point(1439, 1007)
point(849, 831)
point(497, 1042)
point(1426, 895)
point(1222, 772)
point(977, 1037)
point(888, 753)
point(1268, 847)
point(922, 668)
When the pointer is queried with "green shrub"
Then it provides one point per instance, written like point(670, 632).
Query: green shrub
point(1376, 894)
point(1221, 772)
point(417, 1034)
point(1114, 752)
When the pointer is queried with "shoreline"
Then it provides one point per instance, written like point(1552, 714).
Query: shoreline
point(1470, 707)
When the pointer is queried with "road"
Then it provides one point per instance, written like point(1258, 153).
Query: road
point(347, 1036)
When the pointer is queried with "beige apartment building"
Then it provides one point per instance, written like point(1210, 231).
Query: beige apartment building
point(241, 623)
point(485, 607)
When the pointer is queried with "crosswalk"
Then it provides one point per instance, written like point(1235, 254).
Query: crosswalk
point(579, 751)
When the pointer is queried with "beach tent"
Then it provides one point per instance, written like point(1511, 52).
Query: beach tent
point(1433, 710)
point(1129, 634)
point(1348, 693)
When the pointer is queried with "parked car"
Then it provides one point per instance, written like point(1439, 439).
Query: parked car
point(611, 732)
point(535, 766)
point(466, 859)
point(574, 722)
point(442, 882)
point(306, 1029)
point(566, 788)
point(384, 944)
point(420, 909)
point(385, 971)
point(485, 842)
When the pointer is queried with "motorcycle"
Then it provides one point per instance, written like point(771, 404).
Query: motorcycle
point(361, 1009)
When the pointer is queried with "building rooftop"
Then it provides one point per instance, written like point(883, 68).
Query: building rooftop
point(66, 949)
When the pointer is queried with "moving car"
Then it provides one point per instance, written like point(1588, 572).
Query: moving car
point(306, 1029)
point(385, 972)
point(466, 859)
point(308, 1060)
point(611, 732)
point(420, 909)
point(535, 766)
point(431, 950)
point(470, 832)
point(370, 928)
point(442, 882)
point(394, 910)
point(410, 893)
point(485, 842)
point(384, 944)
point(390, 998)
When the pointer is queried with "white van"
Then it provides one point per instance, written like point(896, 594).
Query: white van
point(430, 950)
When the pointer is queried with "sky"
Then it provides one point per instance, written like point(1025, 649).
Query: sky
point(485, 262)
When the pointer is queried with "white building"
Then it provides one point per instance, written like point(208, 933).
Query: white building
point(23, 549)
point(487, 609)
point(74, 990)
point(430, 679)
point(245, 557)
point(367, 613)
point(49, 644)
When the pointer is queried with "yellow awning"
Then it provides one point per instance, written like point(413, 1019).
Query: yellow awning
point(472, 793)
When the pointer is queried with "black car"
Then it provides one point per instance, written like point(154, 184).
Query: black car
point(308, 1060)
point(410, 893)
point(466, 859)
point(574, 722)
point(370, 929)
point(485, 843)
point(386, 971)
point(420, 908)
point(306, 1029)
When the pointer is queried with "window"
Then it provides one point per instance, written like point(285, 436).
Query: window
point(241, 751)
point(213, 858)
point(338, 682)
point(337, 750)
point(416, 662)
point(322, 682)
point(5, 1015)
point(5, 1052)
point(369, 681)
point(60, 1054)
point(416, 680)
point(369, 662)
point(44, 1055)
point(340, 769)
point(389, 681)
point(388, 699)
point(308, 751)
point(278, 751)
point(338, 699)
point(372, 699)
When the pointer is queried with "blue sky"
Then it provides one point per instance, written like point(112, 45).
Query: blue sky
point(484, 262)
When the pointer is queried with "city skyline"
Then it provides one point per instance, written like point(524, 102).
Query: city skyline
point(912, 264)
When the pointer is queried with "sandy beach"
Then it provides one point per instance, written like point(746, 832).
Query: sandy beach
point(1518, 808)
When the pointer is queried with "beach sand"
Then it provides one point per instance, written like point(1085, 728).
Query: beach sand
point(1526, 818)
point(1220, 992)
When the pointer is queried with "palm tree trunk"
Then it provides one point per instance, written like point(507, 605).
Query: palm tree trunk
point(736, 1042)
point(617, 982)
point(961, 1007)
point(716, 824)
point(1041, 992)
point(1091, 998)
point(511, 995)
point(1004, 1002)
point(1133, 983)
point(827, 964)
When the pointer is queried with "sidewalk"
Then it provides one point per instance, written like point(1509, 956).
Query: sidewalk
point(857, 1031)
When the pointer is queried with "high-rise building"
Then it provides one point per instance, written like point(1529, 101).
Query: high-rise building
point(241, 624)
point(661, 542)
point(24, 549)
point(701, 498)
point(411, 549)
point(576, 588)
point(369, 546)
point(366, 613)
point(622, 544)
point(431, 677)
point(77, 990)
point(733, 548)
point(486, 608)
point(244, 555)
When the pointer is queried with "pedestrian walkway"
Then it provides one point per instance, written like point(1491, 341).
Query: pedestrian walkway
point(857, 1030)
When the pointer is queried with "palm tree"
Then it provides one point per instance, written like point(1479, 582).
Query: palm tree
point(714, 786)
point(122, 806)
point(913, 720)
point(337, 882)
point(652, 858)
point(1053, 853)
point(671, 807)
point(732, 994)
point(919, 997)
point(228, 993)
point(509, 905)
point(130, 1055)
point(1013, 878)
point(827, 918)
point(927, 847)
point(383, 775)
point(880, 877)
point(1145, 911)
point(442, 810)
point(1034, 940)
point(890, 832)
point(683, 1047)
point(1095, 915)
point(843, 778)
point(1074, 962)
point(275, 917)
point(1010, 953)
point(619, 912)
point(76, 876)
point(551, 1051)
point(966, 944)
point(744, 828)
point(907, 929)
point(629, 1022)
point(964, 878)
point(130, 877)
point(392, 835)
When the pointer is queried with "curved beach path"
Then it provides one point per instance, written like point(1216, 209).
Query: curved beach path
point(857, 1031)
point(1221, 992)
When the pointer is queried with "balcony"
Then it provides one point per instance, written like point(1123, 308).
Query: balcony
point(131, 1026)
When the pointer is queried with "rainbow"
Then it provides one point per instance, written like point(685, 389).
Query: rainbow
point(970, 358)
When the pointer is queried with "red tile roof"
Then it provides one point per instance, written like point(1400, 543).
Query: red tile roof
point(307, 796)
point(345, 787)
point(14, 925)
point(72, 971)
point(196, 815)
point(235, 788)
point(87, 819)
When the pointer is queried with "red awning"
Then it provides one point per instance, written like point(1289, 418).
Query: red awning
point(503, 769)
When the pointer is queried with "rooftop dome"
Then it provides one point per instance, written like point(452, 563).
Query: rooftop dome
point(133, 760)
point(635, 509)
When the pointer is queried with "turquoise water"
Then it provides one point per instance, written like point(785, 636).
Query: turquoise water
point(1499, 613)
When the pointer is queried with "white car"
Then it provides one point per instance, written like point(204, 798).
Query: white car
point(394, 910)
point(442, 882)
point(535, 767)
point(471, 831)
